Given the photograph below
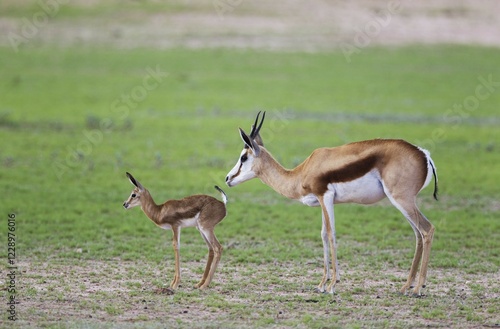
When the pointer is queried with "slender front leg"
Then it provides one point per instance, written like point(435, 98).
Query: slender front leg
point(176, 243)
point(326, 255)
point(329, 223)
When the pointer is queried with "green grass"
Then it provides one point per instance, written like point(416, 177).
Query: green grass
point(66, 188)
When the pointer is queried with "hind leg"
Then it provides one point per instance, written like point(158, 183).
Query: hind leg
point(209, 262)
point(424, 232)
point(214, 256)
point(410, 282)
point(427, 239)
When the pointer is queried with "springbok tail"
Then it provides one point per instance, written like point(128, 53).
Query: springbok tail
point(435, 179)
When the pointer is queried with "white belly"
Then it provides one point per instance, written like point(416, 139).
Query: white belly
point(166, 226)
point(364, 190)
point(187, 222)
point(190, 222)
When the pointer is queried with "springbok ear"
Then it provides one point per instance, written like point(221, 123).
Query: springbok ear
point(134, 182)
point(250, 143)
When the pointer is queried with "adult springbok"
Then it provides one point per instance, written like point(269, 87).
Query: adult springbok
point(200, 211)
point(363, 172)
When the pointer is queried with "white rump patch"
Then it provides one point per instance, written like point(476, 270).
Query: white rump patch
point(430, 163)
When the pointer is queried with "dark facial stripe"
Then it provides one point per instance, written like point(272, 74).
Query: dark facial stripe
point(347, 173)
point(239, 170)
point(241, 165)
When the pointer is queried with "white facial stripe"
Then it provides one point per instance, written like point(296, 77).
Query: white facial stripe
point(239, 168)
point(242, 171)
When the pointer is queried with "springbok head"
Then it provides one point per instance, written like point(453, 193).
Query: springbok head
point(135, 196)
point(245, 166)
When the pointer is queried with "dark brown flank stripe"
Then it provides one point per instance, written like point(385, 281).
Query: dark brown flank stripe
point(347, 173)
point(184, 215)
point(178, 212)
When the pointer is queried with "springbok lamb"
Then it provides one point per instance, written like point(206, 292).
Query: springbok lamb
point(200, 211)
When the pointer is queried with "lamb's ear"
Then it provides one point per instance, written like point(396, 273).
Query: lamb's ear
point(250, 143)
point(134, 181)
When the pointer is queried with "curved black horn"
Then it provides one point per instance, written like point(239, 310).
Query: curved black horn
point(252, 132)
point(255, 129)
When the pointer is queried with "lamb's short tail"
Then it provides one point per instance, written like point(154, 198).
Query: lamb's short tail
point(224, 196)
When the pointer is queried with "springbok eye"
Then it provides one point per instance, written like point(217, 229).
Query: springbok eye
point(134, 195)
point(244, 158)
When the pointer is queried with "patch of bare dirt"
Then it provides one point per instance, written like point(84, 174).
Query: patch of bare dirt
point(98, 292)
point(165, 291)
point(279, 25)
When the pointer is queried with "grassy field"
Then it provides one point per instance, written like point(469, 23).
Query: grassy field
point(73, 120)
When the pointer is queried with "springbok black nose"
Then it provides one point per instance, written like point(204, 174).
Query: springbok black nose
point(227, 178)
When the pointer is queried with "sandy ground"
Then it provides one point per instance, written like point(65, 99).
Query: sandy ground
point(94, 292)
point(279, 25)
